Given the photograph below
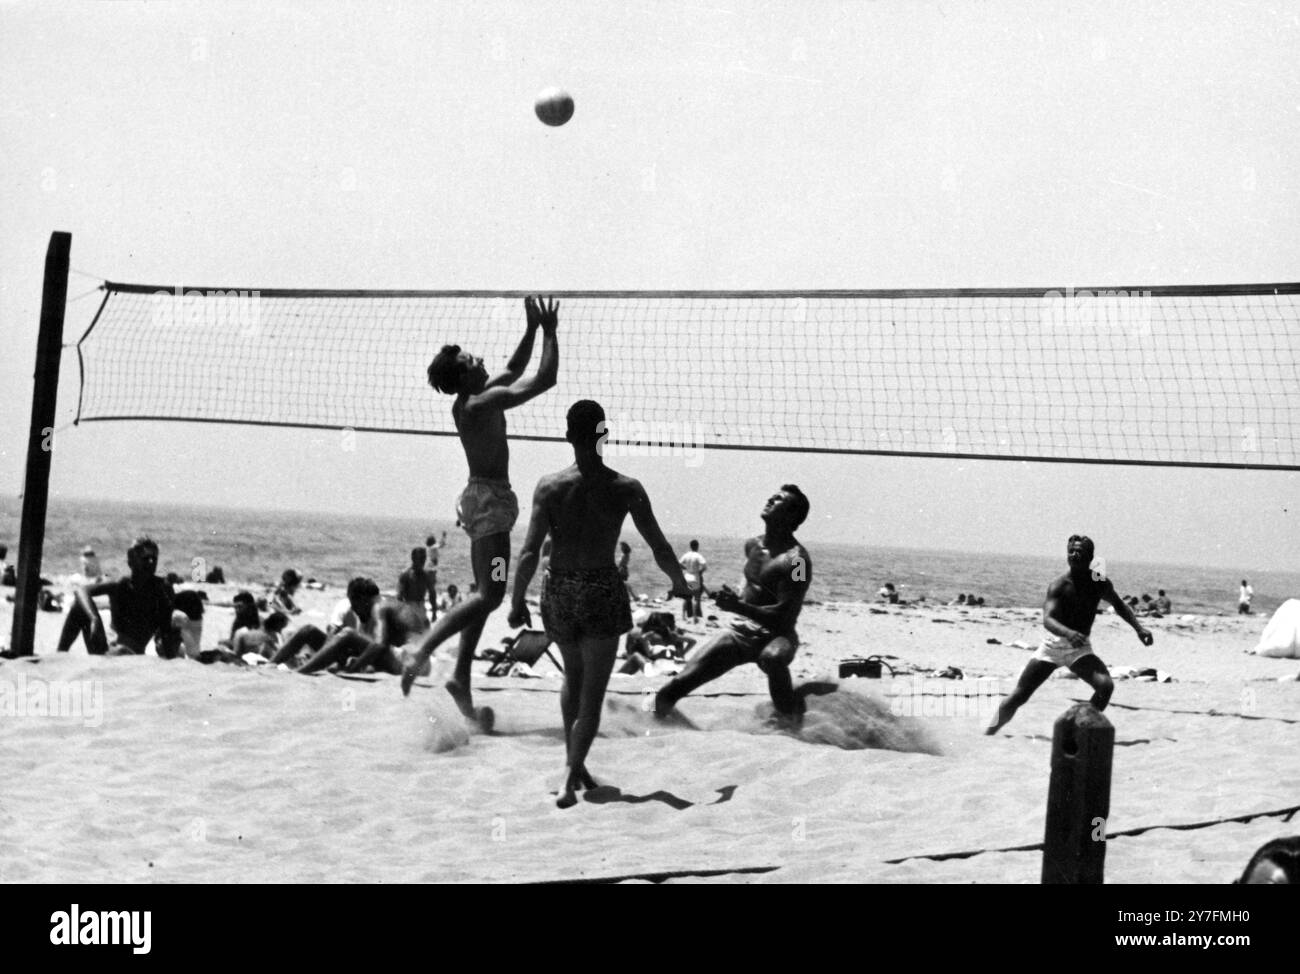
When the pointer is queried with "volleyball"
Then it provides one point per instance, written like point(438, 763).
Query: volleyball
point(554, 106)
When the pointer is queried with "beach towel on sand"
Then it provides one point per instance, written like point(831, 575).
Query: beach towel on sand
point(1281, 636)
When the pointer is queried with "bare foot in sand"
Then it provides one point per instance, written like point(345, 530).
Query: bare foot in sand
point(408, 679)
point(997, 723)
point(461, 694)
point(585, 780)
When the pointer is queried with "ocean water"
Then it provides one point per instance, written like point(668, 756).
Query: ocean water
point(255, 546)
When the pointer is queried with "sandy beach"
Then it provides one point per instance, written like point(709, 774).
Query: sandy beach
point(190, 773)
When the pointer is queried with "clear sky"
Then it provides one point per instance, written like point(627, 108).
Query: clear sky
point(721, 145)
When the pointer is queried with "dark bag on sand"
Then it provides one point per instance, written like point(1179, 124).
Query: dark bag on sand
point(868, 667)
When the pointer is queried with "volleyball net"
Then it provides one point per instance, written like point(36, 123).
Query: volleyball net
point(1191, 376)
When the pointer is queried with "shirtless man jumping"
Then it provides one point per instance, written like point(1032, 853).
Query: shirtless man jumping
point(1068, 614)
point(487, 507)
point(778, 571)
point(584, 599)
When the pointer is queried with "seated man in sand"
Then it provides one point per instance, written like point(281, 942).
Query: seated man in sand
point(584, 601)
point(264, 640)
point(1068, 614)
point(372, 633)
point(140, 606)
point(652, 641)
point(778, 571)
point(187, 620)
point(282, 599)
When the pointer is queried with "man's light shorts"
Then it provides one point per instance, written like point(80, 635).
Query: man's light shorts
point(487, 507)
point(1058, 651)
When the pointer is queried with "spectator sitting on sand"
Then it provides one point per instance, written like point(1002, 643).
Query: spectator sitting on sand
point(216, 576)
point(264, 640)
point(187, 619)
point(372, 632)
point(654, 639)
point(450, 599)
point(959, 600)
point(1163, 605)
point(413, 584)
point(1276, 862)
point(140, 606)
point(246, 616)
point(888, 593)
point(282, 599)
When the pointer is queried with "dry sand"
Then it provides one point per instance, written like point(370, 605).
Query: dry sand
point(191, 773)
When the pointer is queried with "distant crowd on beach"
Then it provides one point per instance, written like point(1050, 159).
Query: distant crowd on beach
point(169, 611)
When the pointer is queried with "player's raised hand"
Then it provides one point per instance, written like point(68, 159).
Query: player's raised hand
point(533, 312)
point(549, 312)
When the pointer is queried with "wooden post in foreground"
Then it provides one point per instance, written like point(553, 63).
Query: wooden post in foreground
point(1078, 797)
point(40, 444)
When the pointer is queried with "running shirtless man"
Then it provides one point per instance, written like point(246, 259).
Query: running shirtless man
point(487, 507)
point(1068, 615)
point(585, 606)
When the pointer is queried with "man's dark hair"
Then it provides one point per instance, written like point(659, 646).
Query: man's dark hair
point(430, 540)
point(584, 420)
point(1284, 851)
point(1085, 541)
point(419, 554)
point(243, 596)
point(800, 504)
point(446, 370)
point(695, 546)
point(189, 602)
point(144, 541)
point(362, 588)
point(276, 621)
point(290, 577)
point(1160, 591)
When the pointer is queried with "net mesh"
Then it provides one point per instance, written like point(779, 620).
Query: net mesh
point(1136, 376)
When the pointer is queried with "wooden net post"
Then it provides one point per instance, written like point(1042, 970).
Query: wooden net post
point(1078, 797)
point(40, 445)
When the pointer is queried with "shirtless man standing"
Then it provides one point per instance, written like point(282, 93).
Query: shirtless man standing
point(487, 507)
point(1068, 614)
point(584, 600)
point(778, 571)
point(413, 585)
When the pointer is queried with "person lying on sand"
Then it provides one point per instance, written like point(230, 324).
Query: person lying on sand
point(584, 599)
point(372, 633)
point(140, 609)
point(1068, 615)
point(778, 571)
